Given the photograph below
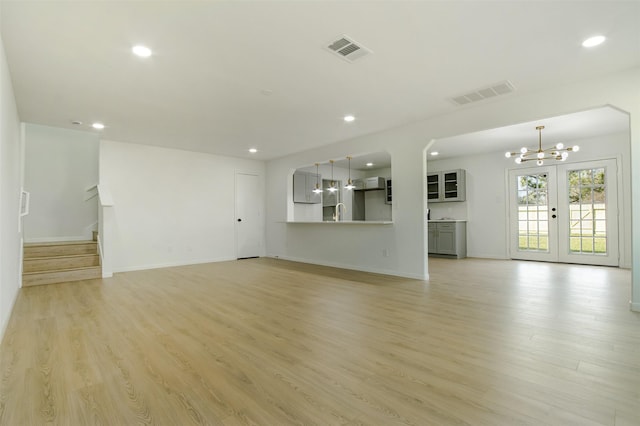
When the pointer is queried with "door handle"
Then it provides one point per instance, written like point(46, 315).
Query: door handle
point(239, 220)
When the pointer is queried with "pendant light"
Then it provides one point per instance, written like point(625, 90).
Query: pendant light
point(317, 189)
point(558, 152)
point(349, 184)
point(332, 187)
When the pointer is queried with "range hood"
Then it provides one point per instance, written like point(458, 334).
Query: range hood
point(369, 184)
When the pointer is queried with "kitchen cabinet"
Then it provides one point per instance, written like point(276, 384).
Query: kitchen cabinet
point(448, 238)
point(446, 186)
point(303, 185)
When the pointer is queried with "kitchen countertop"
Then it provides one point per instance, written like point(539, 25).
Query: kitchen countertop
point(344, 222)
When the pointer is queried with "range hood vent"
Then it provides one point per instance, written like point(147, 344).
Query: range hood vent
point(348, 49)
point(494, 90)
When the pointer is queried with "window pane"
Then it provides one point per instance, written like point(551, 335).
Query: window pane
point(532, 212)
point(600, 245)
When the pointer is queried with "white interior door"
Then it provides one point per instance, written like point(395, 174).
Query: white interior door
point(565, 213)
point(248, 216)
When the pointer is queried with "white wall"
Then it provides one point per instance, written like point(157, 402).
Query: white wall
point(485, 208)
point(10, 176)
point(171, 207)
point(405, 241)
point(392, 249)
point(60, 165)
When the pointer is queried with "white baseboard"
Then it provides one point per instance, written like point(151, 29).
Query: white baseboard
point(171, 264)
point(486, 256)
point(354, 267)
point(55, 239)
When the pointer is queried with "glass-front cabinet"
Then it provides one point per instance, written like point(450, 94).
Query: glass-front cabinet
point(446, 186)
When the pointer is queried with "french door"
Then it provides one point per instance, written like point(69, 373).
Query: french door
point(565, 213)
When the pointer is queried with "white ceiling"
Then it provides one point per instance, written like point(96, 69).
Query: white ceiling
point(564, 128)
point(229, 75)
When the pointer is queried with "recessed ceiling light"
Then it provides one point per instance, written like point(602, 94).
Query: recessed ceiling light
point(369, 164)
point(253, 150)
point(349, 118)
point(98, 126)
point(142, 51)
point(434, 153)
point(594, 41)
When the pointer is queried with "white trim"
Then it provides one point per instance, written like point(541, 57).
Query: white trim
point(354, 267)
point(105, 196)
point(172, 264)
point(486, 256)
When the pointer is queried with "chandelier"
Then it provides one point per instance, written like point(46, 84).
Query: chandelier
point(558, 152)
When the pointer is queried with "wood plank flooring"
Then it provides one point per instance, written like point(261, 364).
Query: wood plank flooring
point(271, 342)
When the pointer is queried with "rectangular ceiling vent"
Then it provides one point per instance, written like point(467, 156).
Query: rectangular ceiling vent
point(494, 90)
point(348, 49)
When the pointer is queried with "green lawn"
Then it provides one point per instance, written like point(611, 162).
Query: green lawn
point(596, 245)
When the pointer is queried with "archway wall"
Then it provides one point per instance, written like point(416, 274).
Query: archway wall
point(404, 241)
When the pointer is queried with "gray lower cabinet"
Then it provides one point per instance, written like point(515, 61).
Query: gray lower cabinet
point(448, 239)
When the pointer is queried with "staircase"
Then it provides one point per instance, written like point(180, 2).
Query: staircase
point(49, 263)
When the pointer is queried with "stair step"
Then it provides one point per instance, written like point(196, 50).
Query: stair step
point(61, 276)
point(56, 263)
point(67, 248)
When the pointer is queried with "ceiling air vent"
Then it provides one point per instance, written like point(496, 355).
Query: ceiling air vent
point(348, 49)
point(497, 89)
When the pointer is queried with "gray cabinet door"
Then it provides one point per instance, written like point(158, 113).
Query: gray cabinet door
point(448, 239)
point(433, 238)
point(299, 188)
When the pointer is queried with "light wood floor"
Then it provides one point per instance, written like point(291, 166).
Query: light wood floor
point(269, 342)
